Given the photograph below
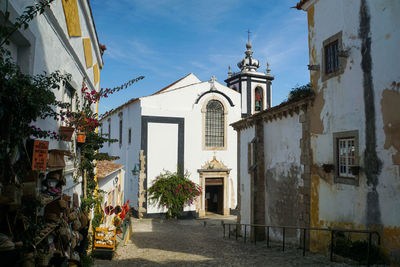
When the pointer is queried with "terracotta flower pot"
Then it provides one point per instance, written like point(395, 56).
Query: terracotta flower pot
point(81, 137)
point(66, 132)
point(328, 167)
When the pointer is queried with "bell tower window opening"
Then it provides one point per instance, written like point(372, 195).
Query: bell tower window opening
point(258, 99)
point(215, 124)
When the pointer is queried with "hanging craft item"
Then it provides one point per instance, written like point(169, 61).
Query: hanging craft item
point(56, 159)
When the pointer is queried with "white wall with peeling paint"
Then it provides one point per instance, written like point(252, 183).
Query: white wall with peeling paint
point(343, 109)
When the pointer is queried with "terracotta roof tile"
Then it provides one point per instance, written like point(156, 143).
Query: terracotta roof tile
point(106, 167)
point(300, 4)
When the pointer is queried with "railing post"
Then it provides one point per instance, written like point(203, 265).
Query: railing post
point(283, 239)
point(229, 229)
point(304, 242)
point(255, 234)
point(332, 236)
point(245, 233)
point(267, 236)
point(237, 231)
point(369, 247)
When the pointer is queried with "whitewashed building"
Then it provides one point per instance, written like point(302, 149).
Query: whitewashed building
point(332, 160)
point(185, 127)
point(355, 120)
point(64, 39)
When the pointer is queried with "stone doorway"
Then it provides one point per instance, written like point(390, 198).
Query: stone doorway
point(214, 177)
point(214, 201)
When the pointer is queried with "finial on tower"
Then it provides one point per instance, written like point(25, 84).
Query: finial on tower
point(229, 71)
point(268, 69)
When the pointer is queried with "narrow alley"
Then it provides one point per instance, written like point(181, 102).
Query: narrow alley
point(200, 243)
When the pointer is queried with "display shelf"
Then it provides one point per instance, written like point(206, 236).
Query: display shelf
point(103, 238)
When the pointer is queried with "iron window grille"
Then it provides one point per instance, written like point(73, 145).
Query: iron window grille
point(215, 124)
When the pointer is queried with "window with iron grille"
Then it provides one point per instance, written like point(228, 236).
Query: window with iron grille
point(331, 57)
point(346, 156)
point(215, 124)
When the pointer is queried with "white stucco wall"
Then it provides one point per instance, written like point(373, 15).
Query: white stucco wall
point(162, 154)
point(128, 153)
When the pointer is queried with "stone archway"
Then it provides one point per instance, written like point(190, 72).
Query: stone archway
point(214, 173)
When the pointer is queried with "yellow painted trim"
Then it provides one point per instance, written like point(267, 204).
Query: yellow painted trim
point(87, 48)
point(96, 73)
point(119, 186)
point(71, 14)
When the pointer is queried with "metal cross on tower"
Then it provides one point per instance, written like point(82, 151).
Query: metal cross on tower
point(248, 35)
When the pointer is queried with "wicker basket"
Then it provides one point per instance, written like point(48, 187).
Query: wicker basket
point(44, 259)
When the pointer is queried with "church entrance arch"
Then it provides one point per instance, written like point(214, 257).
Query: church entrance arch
point(214, 177)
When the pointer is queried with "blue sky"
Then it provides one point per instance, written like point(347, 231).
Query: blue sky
point(165, 40)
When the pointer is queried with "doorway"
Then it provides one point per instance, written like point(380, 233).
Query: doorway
point(214, 195)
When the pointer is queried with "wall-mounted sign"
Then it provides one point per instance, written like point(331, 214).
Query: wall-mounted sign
point(39, 157)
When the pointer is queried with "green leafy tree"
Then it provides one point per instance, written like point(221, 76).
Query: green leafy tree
point(173, 191)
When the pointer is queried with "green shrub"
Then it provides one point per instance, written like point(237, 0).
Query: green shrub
point(173, 191)
point(357, 250)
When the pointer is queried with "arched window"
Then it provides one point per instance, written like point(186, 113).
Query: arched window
point(258, 99)
point(215, 124)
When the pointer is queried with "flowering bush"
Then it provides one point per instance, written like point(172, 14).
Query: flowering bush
point(173, 191)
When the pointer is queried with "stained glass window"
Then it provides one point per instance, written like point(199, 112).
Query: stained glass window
point(215, 124)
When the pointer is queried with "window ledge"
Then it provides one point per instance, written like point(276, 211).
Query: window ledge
point(347, 180)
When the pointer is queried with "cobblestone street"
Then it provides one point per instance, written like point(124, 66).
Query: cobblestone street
point(200, 243)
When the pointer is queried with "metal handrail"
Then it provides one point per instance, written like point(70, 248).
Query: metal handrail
point(304, 229)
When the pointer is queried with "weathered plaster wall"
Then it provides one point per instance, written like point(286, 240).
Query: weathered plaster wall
point(283, 172)
point(365, 98)
point(246, 136)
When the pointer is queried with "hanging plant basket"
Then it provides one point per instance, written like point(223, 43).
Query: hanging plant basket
point(81, 137)
point(66, 132)
point(327, 167)
point(355, 170)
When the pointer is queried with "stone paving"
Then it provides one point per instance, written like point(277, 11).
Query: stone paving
point(200, 243)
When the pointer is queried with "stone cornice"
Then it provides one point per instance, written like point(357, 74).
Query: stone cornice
point(282, 111)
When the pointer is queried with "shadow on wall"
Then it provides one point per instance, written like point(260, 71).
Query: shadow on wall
point(283, 200)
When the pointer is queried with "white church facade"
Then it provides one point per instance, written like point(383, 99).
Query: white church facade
point(186, 127)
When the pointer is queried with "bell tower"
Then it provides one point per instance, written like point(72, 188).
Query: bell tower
point(254, 87)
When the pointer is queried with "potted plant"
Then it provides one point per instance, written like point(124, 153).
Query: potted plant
point(80, 137)
point(66, 132)
point(327, 167)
